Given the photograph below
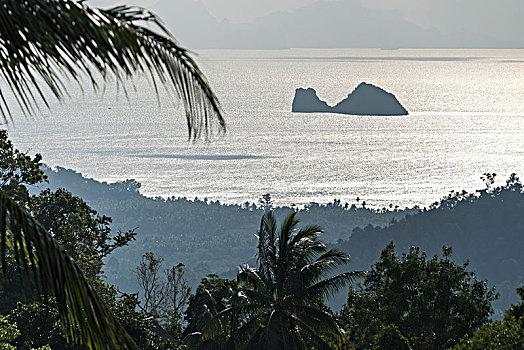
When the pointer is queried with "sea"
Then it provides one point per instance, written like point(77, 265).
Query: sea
point(466, 118)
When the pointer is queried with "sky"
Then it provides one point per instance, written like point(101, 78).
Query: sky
point(487, 19)
point(236, 11)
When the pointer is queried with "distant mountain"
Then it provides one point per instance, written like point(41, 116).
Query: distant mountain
point(319, 25)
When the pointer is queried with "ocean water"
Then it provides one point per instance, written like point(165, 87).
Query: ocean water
point(466, 117)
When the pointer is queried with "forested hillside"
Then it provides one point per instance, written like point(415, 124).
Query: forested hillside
point(486, 228)
point(408, 297)
point(206, 236)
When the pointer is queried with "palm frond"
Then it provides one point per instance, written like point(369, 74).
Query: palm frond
point(310, 273)
point(326, 263)
point(243, 334)
point(309, 232)
point(219, 323)
point(267, 251)
point(277, 330)
point(49, 41)
point(330, 286)
point(304, 253)
point(256, 298)
point(209, 309)
point(257, 340)
point(321, 343)
point(286, 230)
point(248, 276)
point(318, 320)
point(85, 317)
point(283, 259)
point(305, 246)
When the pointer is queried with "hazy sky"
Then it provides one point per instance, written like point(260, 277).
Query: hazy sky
point(237, 11)
point(498, 19)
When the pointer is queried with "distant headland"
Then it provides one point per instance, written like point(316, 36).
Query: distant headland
point(366, 99)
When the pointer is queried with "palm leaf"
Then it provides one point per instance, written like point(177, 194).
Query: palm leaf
point(243, 334)
point(210, 309)
point(319, 320)
point(283, 260)
point(304, 252)
point(219, 323)
point(267, 251)
point(310, 232)
point(248, 276)
point(85, 317)
point(314, 336)
point(330, 286)
point(324, 264)
point(50, 41)
point(277, 332)
point(286, 230)
point(305, 245)
point(256, 298)
point(305, 276)
point(257, 340)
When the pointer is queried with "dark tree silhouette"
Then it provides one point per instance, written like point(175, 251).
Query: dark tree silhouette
point(278, 305)
point(45, 42)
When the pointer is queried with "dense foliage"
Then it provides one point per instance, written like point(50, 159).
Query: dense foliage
point(8, 334)
point(390, 338)
point(486, 228)
point(507, 334)
point(18, 170)
point(38, 325)
point(433, 302)
point(78, 228)
point(83, 234)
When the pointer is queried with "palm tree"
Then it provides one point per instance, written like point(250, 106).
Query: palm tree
point(44, 43)
point(277, 304)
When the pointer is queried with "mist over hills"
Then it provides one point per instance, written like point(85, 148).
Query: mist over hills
point(207, 236)
point(342, 23)
point(485, 227)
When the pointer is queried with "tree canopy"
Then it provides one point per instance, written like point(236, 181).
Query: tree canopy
point(506, 334)
point(18, 170)
point(432, 301)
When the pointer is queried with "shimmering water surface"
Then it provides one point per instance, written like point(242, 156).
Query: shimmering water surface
point(466, 118)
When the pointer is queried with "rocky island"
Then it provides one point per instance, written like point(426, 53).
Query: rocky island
point(366, 99)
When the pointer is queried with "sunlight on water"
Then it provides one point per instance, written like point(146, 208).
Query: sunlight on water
point(466, 118)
